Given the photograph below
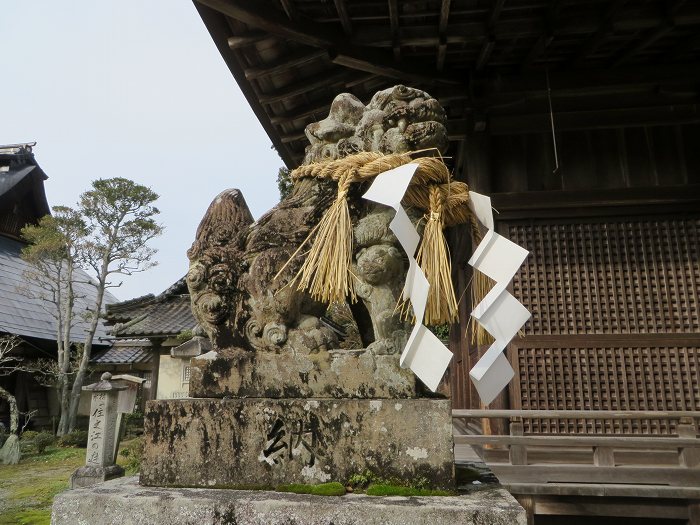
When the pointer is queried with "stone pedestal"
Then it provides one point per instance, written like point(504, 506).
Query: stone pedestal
point(87, 475)
point(325, 374)
point(125, 502)
point(237, 443)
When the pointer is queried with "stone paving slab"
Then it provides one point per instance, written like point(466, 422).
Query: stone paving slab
point(125, 502)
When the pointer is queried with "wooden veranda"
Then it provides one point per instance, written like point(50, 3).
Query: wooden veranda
point(580, 118)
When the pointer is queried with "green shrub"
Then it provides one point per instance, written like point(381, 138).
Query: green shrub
point(132, 451)
point(77, 438)
point(3, 437)
point(29, 435)
point(184, 336)
point(43, 440)
point(134, 424)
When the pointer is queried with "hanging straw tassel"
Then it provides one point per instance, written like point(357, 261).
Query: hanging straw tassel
point(434, 259)
point(325, 272)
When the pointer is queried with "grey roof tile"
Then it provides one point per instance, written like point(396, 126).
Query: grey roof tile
point(27, 316)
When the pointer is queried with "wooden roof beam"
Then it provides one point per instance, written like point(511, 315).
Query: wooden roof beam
point(442, 29)
point(540, 46)
point(579, 120)
point(285, 63)
point(289, 8)
point(485, 53)
point(303, 86)
point(239, 41)
point(651, 37)
point(604, 31)
point(369, 60)
point(595, 81)
point(307, 111)
point(490, 41)
point(495, 13)
point(545, 39)
point(394, 24)
point(666, 25)
point(344, 16)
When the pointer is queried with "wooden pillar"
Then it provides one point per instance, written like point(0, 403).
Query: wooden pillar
point(528, 503)
point(688, 457)
point(694, 512)
point(517, 453)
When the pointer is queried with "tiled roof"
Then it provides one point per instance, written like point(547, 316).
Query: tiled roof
point(167, 318)
point(128, 353)
point(26, 314)
point(166, 314)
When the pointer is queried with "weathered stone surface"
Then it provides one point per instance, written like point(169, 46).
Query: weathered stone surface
point(124, 502)
point(334, 374)
point(90, 475)
point(233, 443)
point(239, 274)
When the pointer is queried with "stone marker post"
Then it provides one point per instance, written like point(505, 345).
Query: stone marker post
point(99, 458)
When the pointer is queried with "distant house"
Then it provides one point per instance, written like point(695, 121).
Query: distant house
point(23, 311)
point(147, 330)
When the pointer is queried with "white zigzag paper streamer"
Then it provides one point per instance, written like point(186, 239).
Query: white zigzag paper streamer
point(501, 314)
point(424, 353)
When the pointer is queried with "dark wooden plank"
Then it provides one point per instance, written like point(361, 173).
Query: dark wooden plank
point(691, 139)
point(285, 63)
point(344, 16)
point(258, 14)
point(651, 443)
point(600, 119)
point(303, 86)
point(668, 161)
point(609, 507)
point(672, 476)
point(508, 159)
point(577, 414)
point(394, 27)
point(607, 489)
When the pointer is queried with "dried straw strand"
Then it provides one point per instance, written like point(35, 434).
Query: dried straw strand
point(325, 272)
point(434, 259)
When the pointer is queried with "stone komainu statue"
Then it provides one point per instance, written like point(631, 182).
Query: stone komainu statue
point(237, 295)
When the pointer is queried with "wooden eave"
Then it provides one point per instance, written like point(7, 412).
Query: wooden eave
point(486, 61)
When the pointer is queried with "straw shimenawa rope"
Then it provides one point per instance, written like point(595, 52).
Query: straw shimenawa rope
point(434, 259)
point(325, 272)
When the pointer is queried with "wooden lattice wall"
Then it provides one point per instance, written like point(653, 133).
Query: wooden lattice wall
point(615, 322)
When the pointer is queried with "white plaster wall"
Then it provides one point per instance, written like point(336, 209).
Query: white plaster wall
point(170, 378)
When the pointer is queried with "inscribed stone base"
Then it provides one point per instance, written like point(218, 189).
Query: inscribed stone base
point(243, 443)
point(125, 502)
point(337, 374)
point(88, 475)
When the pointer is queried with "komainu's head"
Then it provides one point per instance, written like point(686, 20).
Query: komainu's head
point(397, 120)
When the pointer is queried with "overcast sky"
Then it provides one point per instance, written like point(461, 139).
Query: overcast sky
point(136, 89)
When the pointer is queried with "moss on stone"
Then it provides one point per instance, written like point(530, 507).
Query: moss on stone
point(322, 489)
point(397, 490)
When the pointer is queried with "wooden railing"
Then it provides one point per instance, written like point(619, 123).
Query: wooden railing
point(589, 459)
